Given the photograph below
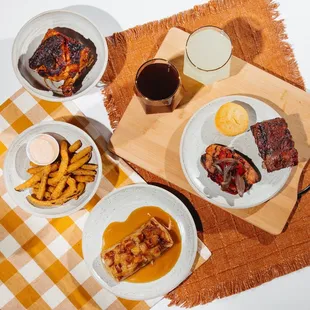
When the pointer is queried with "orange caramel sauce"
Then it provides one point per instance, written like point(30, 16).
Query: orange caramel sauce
point(116, 231)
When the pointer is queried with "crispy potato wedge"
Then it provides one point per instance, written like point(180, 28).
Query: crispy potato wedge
point(29, 183)
point(75, 146)
point(35, 170)
point(81, 154)
point(84, 178)
point(55, 166)
point(56, 184)
point(36, 186)
point(63, 164)
point(76, 165)
point(47, 203)
point(90, 167)
point(80, 190)
point(50, 189)
point(84, 172)
point(53, 174)
point(32, 164)
point(59, 188)
point(71, 189)
point(57, 202)
point(42, 187)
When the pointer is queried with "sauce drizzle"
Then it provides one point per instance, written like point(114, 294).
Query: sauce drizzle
point(116, 231)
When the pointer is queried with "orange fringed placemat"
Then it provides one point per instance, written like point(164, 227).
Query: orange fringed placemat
point(243, 256)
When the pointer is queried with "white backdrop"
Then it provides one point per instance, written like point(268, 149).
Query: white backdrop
point(285, 293)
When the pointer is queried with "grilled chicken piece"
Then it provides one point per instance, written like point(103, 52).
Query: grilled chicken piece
point(61, 58)
point(275, 144)
point(229, 169)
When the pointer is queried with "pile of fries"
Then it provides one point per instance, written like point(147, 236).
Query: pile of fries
point(63, 180)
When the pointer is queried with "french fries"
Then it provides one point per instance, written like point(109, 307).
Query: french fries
point(42, 186)
point(50, 189)
point(80, 190)
point(84, 178)
point(90, 167)
point(63, 164)
point(35, 170)
point(47, 203)
point(79, 163)
point(29, 183)
point(59, 182)
point(81, 154)
point(75, 146)
point(84, 172)
point(71, 189)
point(35, 186)
point(53, 174)
point(59, 188)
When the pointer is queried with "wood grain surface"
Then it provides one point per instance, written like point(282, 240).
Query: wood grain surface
point(152, 141)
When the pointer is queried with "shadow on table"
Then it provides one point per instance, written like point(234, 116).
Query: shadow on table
point(109, 28)
point(9, 83)
point(186, 202)
point(105, 22)
point(83, 123)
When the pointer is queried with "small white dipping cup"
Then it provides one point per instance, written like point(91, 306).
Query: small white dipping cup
point(52, 140)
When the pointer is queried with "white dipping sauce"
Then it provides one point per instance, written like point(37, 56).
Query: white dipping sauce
point(43, 149)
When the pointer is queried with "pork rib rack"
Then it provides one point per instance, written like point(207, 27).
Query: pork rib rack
point(275, 144)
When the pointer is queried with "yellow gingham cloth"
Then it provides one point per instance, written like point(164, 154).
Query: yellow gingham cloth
point(41, 261)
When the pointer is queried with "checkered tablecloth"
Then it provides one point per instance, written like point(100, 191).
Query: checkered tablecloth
point(41, 261)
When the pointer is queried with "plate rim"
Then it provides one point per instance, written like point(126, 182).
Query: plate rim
point(64, 213)
point(32, 90)
point(188, 178)
point(195, 242)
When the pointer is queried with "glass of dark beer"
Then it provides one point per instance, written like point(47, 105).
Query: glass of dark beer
point(158, 86)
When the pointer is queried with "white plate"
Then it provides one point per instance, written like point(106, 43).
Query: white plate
point(200, 132)
point(30, 37)
point(117, 206)
point(16, 164)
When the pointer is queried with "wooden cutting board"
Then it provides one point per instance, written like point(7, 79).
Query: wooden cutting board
point(152, 141)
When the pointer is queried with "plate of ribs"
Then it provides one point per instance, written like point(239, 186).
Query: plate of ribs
point(140, 242)
point(235, 168)
point(59, 55)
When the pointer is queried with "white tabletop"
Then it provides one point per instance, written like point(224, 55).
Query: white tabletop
point(285, 293)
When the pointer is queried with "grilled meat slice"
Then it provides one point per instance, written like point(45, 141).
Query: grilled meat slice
point(275, 144)
point(229, 169)
point(61, 58)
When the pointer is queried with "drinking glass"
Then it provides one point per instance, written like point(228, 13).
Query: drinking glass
point(158, 86)
point(207, 55)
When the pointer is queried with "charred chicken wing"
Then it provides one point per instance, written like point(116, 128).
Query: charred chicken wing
point(61, 58)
